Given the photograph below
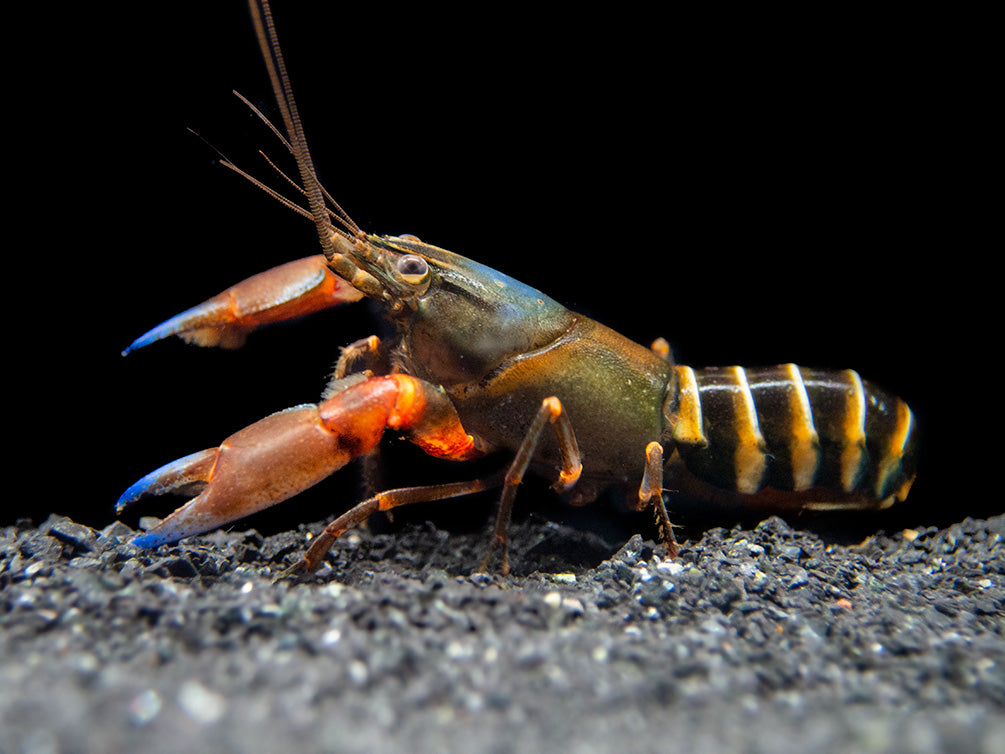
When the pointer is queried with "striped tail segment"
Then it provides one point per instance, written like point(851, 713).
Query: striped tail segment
point(828, 437)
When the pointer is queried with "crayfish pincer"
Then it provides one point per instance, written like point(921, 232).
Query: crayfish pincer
point(480, 363)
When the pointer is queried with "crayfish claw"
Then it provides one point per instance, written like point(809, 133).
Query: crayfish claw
point(188, 475)
point(285, 453)
point(284, 292)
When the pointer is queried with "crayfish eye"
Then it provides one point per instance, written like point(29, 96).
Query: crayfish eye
point(412, 269)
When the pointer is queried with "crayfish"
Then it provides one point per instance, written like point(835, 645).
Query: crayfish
point(481, 363)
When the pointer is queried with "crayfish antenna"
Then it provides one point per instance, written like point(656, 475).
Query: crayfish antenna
point(268, 41)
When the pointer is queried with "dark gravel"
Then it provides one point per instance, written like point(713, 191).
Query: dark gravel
point(760, 639)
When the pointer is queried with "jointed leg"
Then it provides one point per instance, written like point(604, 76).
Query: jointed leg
point(651, 493)
point(383, 501)
point(365, 351)
point(551, 411)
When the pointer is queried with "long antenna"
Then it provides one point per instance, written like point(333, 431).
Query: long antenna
point(265, 29)
point(335, 210)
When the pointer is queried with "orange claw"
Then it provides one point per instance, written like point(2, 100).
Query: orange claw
point(284, 292)
point(283, 454)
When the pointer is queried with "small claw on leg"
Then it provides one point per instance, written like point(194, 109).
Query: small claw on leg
point(299, 568)
point(284, 292)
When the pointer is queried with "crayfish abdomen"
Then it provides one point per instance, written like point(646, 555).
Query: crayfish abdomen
point(789, 436)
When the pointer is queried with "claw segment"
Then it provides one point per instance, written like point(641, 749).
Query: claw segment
point(188, 474)
point(284, 292)
point(283, 454)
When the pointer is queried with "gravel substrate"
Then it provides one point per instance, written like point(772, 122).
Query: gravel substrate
point(760, 639)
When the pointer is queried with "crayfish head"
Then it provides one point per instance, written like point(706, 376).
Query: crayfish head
point(459, 319)
point(380, 268)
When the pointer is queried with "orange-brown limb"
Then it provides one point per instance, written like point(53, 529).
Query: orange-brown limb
point(651, 493)
point(284, 454)
point(383, 501)
point(551, 411)
point(284, 292)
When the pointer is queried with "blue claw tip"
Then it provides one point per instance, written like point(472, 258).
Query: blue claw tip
point(158, 333)
point(149, 539)
point(134, 493)
point(178, 324)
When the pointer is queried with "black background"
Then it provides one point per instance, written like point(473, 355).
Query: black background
point(755, 199)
